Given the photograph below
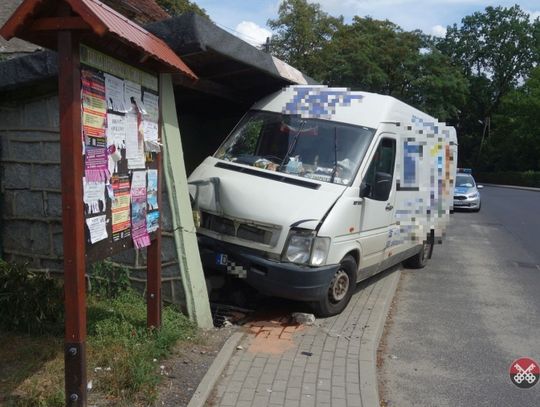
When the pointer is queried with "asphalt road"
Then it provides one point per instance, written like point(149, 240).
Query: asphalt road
point(457, 325)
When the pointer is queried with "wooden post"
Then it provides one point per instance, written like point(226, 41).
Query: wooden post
point(153, 267)
point(69, 95)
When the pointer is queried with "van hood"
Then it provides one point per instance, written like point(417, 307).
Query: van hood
point(254, 197)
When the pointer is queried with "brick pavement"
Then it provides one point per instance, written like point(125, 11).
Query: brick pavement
point(331, 363)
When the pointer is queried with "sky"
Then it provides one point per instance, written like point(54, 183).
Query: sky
point(247, 19)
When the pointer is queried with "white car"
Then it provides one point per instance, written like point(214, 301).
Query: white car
point(466, 194)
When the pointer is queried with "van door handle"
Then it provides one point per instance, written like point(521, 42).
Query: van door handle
point(389, 207)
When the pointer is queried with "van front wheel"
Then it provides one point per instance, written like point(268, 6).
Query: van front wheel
point(339, 291)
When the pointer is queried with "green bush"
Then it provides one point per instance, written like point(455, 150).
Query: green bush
point(31, 302)
point(108, 279)
point(523, 179)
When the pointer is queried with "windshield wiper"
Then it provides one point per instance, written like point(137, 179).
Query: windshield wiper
point(335, 156)
point(293, 144)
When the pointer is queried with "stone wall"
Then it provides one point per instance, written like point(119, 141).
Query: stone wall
point(30, 198)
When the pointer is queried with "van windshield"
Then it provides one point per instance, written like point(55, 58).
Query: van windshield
point(311, 148)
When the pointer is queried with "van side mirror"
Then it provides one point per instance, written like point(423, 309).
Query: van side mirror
point(383, 185)
point(365, 190)
point(479, 186)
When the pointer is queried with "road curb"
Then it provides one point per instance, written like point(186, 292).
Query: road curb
point(209, 380)
point(369, 389)
point(512, 187)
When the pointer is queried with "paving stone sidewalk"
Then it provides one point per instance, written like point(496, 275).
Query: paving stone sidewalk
point(331, 363)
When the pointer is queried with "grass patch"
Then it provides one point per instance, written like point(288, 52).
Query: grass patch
point(122, 356)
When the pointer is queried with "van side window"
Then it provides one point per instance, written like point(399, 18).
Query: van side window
point(377, 183)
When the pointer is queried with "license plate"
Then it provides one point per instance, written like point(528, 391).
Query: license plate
point(221, 259)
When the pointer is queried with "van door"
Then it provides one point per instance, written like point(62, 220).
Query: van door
point(378, 191)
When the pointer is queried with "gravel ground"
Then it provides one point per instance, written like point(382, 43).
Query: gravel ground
point(184, 370)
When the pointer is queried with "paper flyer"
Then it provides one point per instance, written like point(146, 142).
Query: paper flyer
point(120, 207)
point(133, 94)
point(94, 196)
point(96, 166)
point(114, 93)
point(134, 143)
point(152, 221)
point(94, 108)
point(116, 130)
point(97, 226)
point(139, 233)
point(151, 104)
point(152, 189)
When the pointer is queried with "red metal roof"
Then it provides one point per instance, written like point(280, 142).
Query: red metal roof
point(103, 21)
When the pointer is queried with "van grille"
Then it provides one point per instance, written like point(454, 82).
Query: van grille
point(229, 227)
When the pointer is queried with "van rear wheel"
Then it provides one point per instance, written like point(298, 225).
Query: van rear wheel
point(419, 260)
point(339, 291)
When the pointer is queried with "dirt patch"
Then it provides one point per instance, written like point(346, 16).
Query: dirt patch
point(184, 370)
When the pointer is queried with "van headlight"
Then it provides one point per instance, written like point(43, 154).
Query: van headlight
point(304, 247)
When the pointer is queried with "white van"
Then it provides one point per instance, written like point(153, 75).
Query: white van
point(319, 188)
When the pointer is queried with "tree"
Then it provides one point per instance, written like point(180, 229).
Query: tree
point(496, 49)
point(177, 7)
point(378, 56)
point(438, 87)
point(302, 30)
point(516, 139)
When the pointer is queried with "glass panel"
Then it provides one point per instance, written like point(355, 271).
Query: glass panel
point(310, 148)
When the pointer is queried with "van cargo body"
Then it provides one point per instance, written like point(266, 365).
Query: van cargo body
point(318, 188)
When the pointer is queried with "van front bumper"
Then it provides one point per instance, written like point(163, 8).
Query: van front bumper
point(269, 277)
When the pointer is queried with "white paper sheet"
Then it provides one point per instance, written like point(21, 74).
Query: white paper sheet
point(93, 194)
point(114, 92)
point(151, 104)
point(133, 90)
point(98, 228)
point(134, 143)
point(116, 130)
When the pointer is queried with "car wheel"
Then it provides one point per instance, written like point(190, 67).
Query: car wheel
point(420, 259)
point(340, 289)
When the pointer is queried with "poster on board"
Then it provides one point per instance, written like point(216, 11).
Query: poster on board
point(120, 128)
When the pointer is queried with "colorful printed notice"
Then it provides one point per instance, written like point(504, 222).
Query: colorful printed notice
point(96, 166)
point(94, 108)
point(93, 196)
point(139, 233)
point(114, 92)
point(152, 218)
point(152, 189)
point(152, 221)
point(120, 208)
point(97, 226)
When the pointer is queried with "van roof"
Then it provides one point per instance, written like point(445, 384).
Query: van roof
point(343, 105)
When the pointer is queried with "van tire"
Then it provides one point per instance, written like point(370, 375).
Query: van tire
point(339, 291)
point(420, 259)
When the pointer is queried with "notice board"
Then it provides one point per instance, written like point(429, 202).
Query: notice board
point(120, 138)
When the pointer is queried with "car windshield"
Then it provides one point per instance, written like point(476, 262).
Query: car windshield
point(465, 180)
point(311, 148)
